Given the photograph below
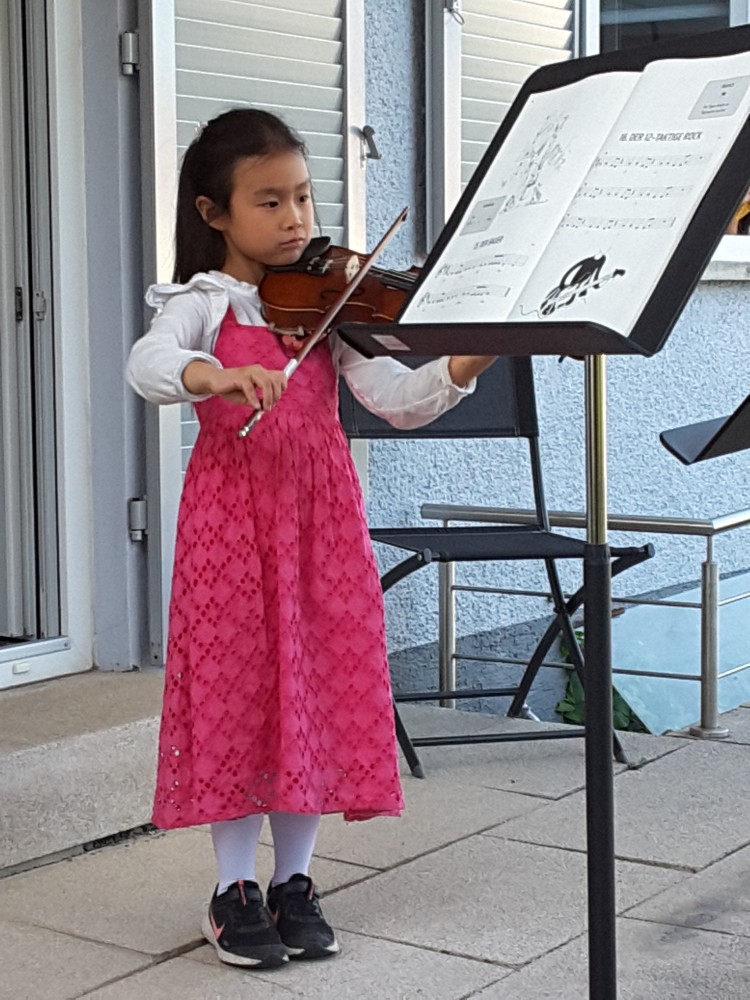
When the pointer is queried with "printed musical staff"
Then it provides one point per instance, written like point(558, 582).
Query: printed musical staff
point(463, 268)
point(481, 293)
point(622, 223)
point(670, 161)
point(631, 192)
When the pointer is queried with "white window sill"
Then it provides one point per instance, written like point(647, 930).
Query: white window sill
point(731, 261)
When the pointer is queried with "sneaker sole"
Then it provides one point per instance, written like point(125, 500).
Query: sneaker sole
point(269, 956)
point(303, 954)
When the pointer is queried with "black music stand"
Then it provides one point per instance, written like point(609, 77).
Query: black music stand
point(676, 276)
point(710, 438)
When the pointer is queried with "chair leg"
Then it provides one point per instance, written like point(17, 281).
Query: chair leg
point(577, 657)
point(560, 623)
point(388, 580)
point(407, 747)
point(532, 669)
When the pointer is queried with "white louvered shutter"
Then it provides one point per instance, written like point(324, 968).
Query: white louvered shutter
point(285, 56)
point(502, 43)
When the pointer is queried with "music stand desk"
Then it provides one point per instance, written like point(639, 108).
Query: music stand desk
point(710, 438)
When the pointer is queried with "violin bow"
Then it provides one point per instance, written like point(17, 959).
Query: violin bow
point(325, 321)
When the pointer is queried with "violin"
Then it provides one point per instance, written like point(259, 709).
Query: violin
point(295, 297)
point(348, 280)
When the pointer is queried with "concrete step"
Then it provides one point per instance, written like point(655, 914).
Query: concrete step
point(77, 761)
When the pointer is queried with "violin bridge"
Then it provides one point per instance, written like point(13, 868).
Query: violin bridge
point(289, 331)
point(351, 267)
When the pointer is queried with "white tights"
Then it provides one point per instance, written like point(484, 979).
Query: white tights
point(236, 845)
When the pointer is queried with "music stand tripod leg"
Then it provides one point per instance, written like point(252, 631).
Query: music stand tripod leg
point(597, 576)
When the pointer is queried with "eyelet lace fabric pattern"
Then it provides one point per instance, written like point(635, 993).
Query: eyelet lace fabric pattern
point(277, 693)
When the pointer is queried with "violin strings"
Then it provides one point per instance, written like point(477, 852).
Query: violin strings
point(394, 279)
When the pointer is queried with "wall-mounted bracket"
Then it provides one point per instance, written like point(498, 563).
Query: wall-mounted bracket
point(369, 150)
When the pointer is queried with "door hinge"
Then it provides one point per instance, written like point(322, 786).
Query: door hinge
point(137, 518)
point(130, 56)
point(19, 304)
point(39, 305)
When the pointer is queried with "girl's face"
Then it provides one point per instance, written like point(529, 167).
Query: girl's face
point(270, 218)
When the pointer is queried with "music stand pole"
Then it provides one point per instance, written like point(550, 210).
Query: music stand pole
point(597, 577)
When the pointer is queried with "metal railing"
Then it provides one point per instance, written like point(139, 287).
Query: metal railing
point(709, 604)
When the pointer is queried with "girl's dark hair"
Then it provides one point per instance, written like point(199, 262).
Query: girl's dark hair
point(207, 169)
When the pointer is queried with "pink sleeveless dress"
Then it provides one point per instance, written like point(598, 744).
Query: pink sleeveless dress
point(277, 694)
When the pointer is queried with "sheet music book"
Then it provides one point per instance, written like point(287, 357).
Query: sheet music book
point(577, 216)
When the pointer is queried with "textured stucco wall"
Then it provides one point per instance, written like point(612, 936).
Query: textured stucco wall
point(702, 372)
point(394, 65)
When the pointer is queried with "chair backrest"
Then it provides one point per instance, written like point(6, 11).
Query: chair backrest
point(502, 405)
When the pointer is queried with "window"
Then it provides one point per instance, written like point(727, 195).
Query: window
point(627, 23)
point(480, 52)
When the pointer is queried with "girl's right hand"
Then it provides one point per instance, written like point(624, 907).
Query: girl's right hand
point(251, 385)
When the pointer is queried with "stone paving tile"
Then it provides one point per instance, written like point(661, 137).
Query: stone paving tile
point(49, 966)
point(717, 899)
point(738, 724)
point(689, 809)
point(548, 768)
point(439, 810)
point(654, 963)
point(424, 720)
point(486, 899)
point(366, 969)
point(180, 979)
point(147, 894)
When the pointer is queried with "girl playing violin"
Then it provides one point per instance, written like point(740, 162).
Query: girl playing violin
point(277, 699)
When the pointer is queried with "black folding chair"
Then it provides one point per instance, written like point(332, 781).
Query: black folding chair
point(502, 406)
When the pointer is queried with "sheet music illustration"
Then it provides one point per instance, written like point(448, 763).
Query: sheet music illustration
point(527, 183)
point(583, 277)
point(592, 189)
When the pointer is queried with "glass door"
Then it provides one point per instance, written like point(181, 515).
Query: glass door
point(29, 561)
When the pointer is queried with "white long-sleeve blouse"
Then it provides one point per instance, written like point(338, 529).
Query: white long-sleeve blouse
point(187, 323)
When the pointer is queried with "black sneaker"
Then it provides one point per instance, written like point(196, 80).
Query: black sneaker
point(294, 907)
point(237, 925)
